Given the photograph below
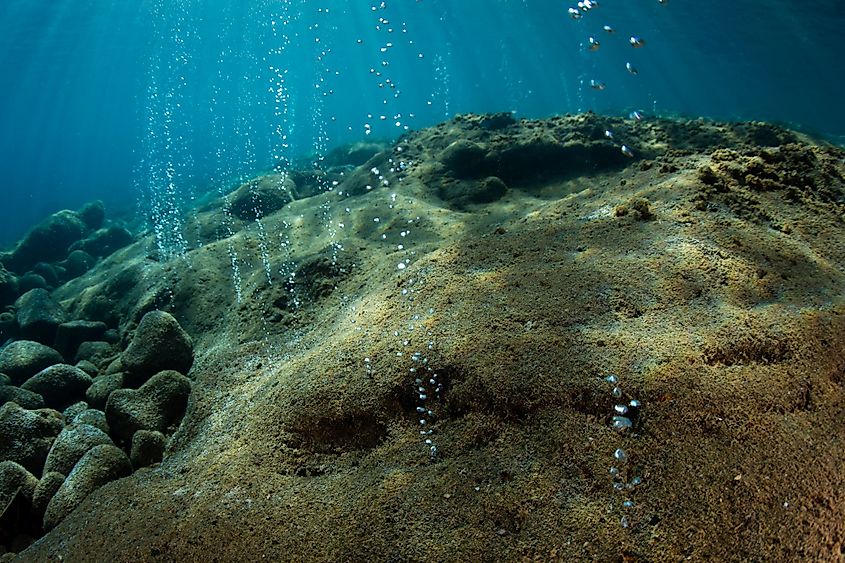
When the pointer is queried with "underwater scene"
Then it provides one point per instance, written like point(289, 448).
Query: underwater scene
point(422, 280)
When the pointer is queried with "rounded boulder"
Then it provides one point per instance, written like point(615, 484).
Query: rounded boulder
point(158, 404)
point(60, 385)
point(22, 359)
point(159, 344)
point(100, 465)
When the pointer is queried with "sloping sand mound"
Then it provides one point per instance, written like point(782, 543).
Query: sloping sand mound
point(482, 280)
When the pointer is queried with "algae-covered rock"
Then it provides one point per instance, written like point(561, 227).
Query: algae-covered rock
point(47, 242)
point(39, 316)
point(60, 385)
point(8, 287)
point(30, 281)
point(24, 398)
point(22, 359)
point(15, 480)
point(71, 444)
point(77, 263)
point(104, 241)
point(26, 436)
point(97, 352)
point(147, 448)
point(88, 368)
point(100, 465)
point(157, 405)
point(92, 214)
point(92, 417)
point(44, 491)
point(262, 196)
point(159, 344)
point(102, 386)
point(74, 409)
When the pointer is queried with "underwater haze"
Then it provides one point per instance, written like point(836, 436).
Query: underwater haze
point(120, 101)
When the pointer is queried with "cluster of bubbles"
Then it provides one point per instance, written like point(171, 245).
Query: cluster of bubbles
point(593, 44)
point(625, 419)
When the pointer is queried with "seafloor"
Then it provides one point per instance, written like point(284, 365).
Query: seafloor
point(706, 274)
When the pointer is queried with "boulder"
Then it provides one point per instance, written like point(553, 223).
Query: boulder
point(44, 491)
point(77, 263)
point(22, 359)
point(93, 417)
point(76, 408)
point(48, 272)
point(88, 368)
point(5, 379)
point(8, 287)
point(39, 316)
point(147, 448)
point(26, 436)
point(71, 334)
point(97, 352)
point(159, 344)
point(71, 444)
point(266, 194)
point(30, 281)
point(105, 241)
point(24, 398)
point(158, 405)
point(100, 465)
point(47, 242)
point(60, 385)
point(93, 214)
point(8, 326)
point(15, 481)
point(98, 393)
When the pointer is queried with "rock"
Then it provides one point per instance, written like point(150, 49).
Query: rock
point(8, 287)
point(104, 241)
point(147, 448)
point(48, 272)
point(103, 385)
point(71, 334)
point(44, 491)
point(88, 368)
point(115, 366)
point(93, 214)
point(96, 352)
point(93, 417)
point(354, 154)
point(463, 193)
point(159, 344)
point(30, 281)
point(100, 465)
point(24, 398)
point(15, 480)
point(60, 385)
point(112, 336)
point(5, 379)
point(158, 405)
point(39, 316)
point(77, 263)
point(267, 194)
point(464, 159)
point(76, 408)
point(22, 359)
point(8, 326)
point(71, 444)
point(26, 436)
point(47, 242)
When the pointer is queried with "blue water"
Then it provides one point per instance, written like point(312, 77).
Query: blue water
point(123, 101)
